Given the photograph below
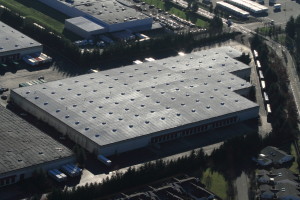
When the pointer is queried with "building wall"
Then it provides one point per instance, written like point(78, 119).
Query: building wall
point(244, 91)
point(20, 52)
point(24, 173)
point(244, 73)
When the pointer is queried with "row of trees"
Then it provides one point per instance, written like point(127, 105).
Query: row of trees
point(284, 112)
point(293, 39)
point(133, 177)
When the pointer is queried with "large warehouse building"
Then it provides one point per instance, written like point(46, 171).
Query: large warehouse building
point(250, 6)
point(131, 107)
point(24, 149)
point(14, 44)
point(92, 17)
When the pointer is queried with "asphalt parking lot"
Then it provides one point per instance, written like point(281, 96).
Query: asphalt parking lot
point(60, 68)
point(166, 19)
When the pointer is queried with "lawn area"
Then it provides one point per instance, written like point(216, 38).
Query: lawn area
point(178, 13)
point(202, 23)
point(156, 3)
point(215, 182)
point(38, 12)
point(294, 168)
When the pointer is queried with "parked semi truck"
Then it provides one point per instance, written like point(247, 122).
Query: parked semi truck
point(57, 175)
point(104, 160)
point(71, 170)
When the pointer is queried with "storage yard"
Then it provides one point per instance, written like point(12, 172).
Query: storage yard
point(112, 112)
point(25, 149)
point(88, 19)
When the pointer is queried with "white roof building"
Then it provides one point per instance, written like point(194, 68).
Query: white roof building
point(130, 107)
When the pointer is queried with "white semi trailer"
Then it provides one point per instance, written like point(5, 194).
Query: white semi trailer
point(104, 160)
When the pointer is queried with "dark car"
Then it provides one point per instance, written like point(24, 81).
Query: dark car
point(4, 97)
point(3, 89)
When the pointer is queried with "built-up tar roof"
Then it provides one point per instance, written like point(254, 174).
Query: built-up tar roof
point(136, 100)
point(11, 39)
point(109, 11)
point(22, 145)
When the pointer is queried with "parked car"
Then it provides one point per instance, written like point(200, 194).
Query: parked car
point(3, 89)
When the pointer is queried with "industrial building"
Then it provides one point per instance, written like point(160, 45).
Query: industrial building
point(134, 106)
point(92, 17)
point(14, 45)
point(24, 149)
point(250, 6)
point(233, 9)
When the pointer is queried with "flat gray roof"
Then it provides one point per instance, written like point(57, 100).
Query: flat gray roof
point(135, 100)
point(22, 145)
point(109, 11)
point(11, 39)
point(84, 24)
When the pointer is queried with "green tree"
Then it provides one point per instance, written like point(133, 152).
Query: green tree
point(290, 28)
point(194, 7)
point(216, 25)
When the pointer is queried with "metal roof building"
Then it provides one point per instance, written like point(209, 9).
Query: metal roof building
point(24, 148)
point(110, 15)
point(249, 5)
point(235, 10)
point(130, 107)
point(14, 44)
